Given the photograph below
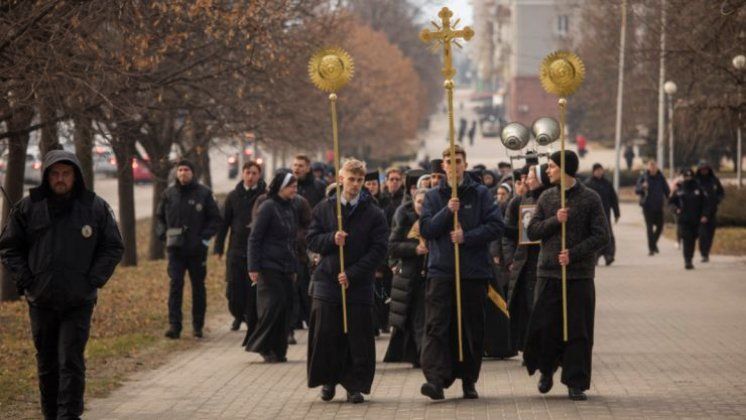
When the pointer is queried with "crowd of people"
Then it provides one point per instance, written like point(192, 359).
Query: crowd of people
point(390, 268)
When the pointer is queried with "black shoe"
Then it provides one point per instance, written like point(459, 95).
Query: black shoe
point(355, 397)
point(198, 333)
point(236, 325)
point(609, 261)
point(470, 392)
point(545, 383)
point(327, 392)
point(291, 339)
point(651, 253)
point(268, 357)
point(656, 250)
point(576, 394)
point(173, 333)
point(705, 259)
point(435, 392)
point(689, 266)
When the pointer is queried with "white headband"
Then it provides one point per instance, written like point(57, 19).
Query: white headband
point(507, 187)
point(286, 181)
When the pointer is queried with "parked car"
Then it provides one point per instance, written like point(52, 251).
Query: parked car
point(140, 171)
point(32, 173)
point(104, 162)
point(233, 166)
point(491, 127)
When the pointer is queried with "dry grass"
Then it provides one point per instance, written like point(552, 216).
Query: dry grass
point(126, 335)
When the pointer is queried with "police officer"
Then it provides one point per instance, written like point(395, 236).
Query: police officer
point(711, 185)
point(61, 244)
point(692, 205)
point(187, 218)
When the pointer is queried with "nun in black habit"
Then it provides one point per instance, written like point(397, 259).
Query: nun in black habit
point(272, 264)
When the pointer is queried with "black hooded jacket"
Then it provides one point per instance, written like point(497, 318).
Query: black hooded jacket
point(273, 236)
point(713, 188)
point(61, 250)
point(237, 215)
point(365, 248)
point(690, 202)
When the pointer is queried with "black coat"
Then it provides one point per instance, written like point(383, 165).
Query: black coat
point(312, 189)
point(60, 252)
point(587, 231)
point(192, 208)
point(364, 250)
point(273, 236)
point(690, 202)
point(303, 216)
point(480, 220)
point(657, 192)
point(390, 202)
point(410, 270)
point(605, 190)
point(711, 185)
point(237, 216)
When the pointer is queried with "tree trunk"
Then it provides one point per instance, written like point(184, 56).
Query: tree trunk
point(13, 181)
point(84, 148)
point(160, 183)
point(123, 146)
point(49, 135)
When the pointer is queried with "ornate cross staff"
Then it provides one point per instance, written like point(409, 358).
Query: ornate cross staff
point(331, 69)
point(561, 74)
point(445, 35)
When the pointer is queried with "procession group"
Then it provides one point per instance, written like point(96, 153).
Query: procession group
point(398, 237)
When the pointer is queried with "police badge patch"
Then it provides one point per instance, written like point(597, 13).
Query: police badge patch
point(198, 207)
point(86, 231)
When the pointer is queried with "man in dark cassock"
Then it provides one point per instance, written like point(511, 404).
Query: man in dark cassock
point(521, 259)
point(309, 187)
point(587, 233)
point(393, 193)
point(610, 201)
point(237, 213)
point(61, 244)
point(333, 356)
point(480, 223)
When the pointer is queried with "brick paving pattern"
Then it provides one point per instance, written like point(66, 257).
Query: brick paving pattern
point(669, 344)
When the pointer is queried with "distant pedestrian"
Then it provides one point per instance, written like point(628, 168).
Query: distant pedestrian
point(598, 183)
point(692, 206)
point(629, 155)
point(186, 219)
point(472, 132)
point(61, 245)
point(711, 185)
point(272, 265)
point(653, 191)
point(582, 145)
point(462, 129)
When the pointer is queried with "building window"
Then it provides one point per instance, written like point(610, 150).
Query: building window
point(563, 25)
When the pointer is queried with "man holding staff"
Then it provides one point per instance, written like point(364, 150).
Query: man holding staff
point(587, 234)
point(335, 356)
point(480, 223)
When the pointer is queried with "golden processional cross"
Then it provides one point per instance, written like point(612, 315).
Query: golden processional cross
point(446, 35)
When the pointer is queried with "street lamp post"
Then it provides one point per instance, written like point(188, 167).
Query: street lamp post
point(670, 88)
point(739, 62)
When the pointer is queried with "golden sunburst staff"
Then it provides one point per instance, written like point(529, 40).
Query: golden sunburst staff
point(331, 69)
point(561, 74)
point(444, 36)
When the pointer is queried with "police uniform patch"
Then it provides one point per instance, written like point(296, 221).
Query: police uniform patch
point(198, 207)
point(86, 231)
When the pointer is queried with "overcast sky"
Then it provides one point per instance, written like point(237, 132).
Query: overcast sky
point(461, 9)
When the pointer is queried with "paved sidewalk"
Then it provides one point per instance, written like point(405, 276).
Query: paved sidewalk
point(669, 343)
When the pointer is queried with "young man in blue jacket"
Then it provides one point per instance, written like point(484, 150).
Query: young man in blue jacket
point(480, 223)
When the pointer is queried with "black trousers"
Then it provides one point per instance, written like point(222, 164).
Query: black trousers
point(609, 251)
point(654, 226)
point(60, 337)
point(338, 358)
point(689, 233)
point(178, 265)
point(274, 307)
point(706, 236)
point(301, 301)
point(521, 306)
point(239, 292)
point(440, 356)
point(545, 349)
